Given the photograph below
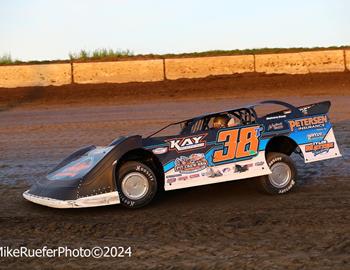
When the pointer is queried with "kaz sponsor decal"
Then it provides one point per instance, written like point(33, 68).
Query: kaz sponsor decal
point(319, 147)
point(308, 123)
point(191, 164)
point(187, 143)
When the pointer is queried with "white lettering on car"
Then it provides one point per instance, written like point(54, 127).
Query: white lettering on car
point(187, 143)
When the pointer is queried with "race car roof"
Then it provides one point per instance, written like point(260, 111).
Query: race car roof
point(252, 106)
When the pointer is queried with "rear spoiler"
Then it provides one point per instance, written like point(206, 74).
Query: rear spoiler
point(315, 108)
point(310, 109)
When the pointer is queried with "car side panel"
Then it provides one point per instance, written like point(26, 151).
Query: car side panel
point(210, 174)
point(204, 158)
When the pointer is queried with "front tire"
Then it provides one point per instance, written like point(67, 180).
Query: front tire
point(283, 176)
point(136, 184)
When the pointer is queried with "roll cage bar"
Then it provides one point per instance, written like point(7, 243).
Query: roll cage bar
point(246, 114)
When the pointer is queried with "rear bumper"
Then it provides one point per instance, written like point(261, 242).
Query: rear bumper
point(90, 201)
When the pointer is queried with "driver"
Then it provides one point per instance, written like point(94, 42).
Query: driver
point(221, 121)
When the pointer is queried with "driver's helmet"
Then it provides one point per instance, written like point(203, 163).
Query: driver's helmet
point(233, 122)
point(220, 121)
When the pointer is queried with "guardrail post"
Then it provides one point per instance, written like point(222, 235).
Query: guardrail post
point(345, 64)
point(164, 70)
point(71, 73)
point(254, 63)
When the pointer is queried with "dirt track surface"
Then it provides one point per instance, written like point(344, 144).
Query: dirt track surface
point(222, 226)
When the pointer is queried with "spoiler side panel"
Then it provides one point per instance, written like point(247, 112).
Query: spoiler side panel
point(324, 149)
point(315, 137)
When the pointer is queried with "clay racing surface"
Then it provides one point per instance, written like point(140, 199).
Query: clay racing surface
point(222, 226)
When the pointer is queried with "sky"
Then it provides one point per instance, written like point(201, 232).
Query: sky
point(51, 29)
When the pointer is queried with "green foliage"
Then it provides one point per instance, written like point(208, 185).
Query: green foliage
point(96, 54)
point(6, 59)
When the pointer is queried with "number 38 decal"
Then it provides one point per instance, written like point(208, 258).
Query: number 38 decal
point(237, 143)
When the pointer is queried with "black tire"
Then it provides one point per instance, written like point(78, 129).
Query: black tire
point(142, 172)
point(274, 183)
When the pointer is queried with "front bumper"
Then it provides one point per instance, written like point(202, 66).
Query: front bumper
point(109, 198)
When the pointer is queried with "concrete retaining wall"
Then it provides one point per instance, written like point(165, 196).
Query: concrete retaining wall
point(324, 61)
point(291, 63)
point(172, 69)
point(301, 63)
point(206, 66)
point(118, 72)
point(35, 75)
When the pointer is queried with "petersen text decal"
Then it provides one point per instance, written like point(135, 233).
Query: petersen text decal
point(308, 123)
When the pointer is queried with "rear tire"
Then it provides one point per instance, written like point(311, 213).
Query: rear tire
point(283, 177)
point(136, 184)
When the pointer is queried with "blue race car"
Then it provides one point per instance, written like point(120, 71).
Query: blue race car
point(212, 148)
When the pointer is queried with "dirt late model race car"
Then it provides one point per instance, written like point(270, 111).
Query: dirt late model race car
point(211, 148)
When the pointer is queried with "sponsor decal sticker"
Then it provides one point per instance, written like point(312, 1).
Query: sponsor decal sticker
point(187, 143)
point(182, 178)
point(260, 163)
point(226, 170)
point(191, 164)
point(276, 117)
point(174, 175)
point(160, 150)
point(318, 148)
point(171, 180)
point(194, 175)
point(308, 123)
point(242, 168)
point(305, 109)
point(212, 172)
point(314, 135)
point(75, 169)
point(275, 126)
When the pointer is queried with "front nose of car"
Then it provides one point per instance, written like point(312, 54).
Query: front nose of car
point(55, 189)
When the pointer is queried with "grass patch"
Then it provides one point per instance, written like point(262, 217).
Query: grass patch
point(6, 59)
point(99, 54)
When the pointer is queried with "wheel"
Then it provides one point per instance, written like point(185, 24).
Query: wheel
point(136, 184)
point(283, 176)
